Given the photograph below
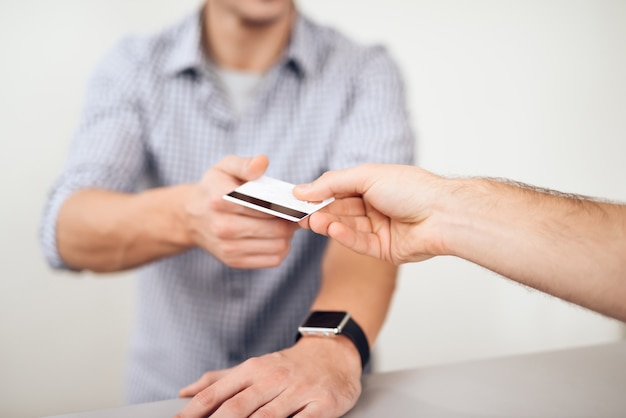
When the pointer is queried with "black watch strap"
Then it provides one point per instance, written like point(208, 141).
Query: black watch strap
point(353, 331)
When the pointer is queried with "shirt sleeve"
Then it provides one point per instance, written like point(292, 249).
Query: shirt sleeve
point(376, 125)
point(108, 148)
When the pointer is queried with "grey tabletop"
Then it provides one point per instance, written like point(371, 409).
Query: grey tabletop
point(579, 382)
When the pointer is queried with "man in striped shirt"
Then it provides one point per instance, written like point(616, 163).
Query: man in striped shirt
point(170, 124)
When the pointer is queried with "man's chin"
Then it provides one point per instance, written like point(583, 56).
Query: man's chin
point(264, 13)
point(263, 18)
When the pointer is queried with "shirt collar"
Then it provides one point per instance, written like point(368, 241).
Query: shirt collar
point(302, 50)
point(187, 53)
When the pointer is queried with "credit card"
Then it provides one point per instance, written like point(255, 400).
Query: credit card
point(275, 197)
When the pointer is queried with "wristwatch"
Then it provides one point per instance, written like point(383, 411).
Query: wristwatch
point(333, 323)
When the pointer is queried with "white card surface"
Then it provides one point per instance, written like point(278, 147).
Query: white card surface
point(275, 197)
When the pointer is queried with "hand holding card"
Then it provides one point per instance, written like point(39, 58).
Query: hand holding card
point(274, 197)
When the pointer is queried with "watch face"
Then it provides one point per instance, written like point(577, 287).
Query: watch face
point(326, 319)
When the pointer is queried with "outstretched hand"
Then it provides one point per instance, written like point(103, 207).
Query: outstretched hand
point(372, 214)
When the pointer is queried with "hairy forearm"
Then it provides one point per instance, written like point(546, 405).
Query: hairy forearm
point(570, 247)
point(106, 231)
point(358, 284)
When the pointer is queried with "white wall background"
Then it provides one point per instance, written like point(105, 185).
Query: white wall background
point(532, 90)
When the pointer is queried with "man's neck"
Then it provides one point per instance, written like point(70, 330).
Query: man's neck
point(232, 42)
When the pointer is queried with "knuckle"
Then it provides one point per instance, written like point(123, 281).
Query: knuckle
point(221, 230)
point(253, 363)
point(228, 250)
point(206, 398)
point(281, 373)
point(236, 407)
point(214, 202)
point(325, 175)
point(265, 412)
point(231, 260)
point(283, 246)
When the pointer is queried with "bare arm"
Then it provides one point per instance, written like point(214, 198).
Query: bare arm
point(571, 247)
point(568, 246)
point(108, 231)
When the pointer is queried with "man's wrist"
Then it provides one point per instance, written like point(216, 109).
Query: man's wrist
point(340, 348)
point(333, 324)
point(183, 234)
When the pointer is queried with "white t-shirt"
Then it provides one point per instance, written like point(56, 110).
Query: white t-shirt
point(241, 87)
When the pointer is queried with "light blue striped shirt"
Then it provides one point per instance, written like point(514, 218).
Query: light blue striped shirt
point(154, 114)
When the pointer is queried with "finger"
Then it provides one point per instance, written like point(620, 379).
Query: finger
point(280, 406)
point(349, 181)
point(209, 399)
point(248, 401)
point(256, 255)
point(321, 216)
point(362, 242)
point(312, 410)
point(320, 221)
point(205, 381)
point(365, 243)
point(244, 168)
point(346, 206)
point(257, 166)
point(233, 227)
point(254, 248)
point(263, 261)
point(343, 207)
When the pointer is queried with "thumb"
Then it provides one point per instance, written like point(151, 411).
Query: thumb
point(255, 167)
point(242, 168)
point(336, 183)
point(312, 192)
